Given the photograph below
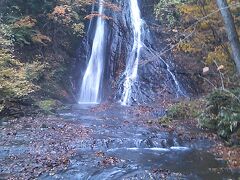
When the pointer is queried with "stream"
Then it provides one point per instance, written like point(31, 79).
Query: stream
point(118, 144)
point(131, 149)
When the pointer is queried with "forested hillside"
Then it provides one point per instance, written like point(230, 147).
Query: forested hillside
point(38, 45)
point(197, 31)
point(200, 42)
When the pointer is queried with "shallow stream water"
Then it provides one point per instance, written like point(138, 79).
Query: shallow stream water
point(119, 145)
point(123, 146)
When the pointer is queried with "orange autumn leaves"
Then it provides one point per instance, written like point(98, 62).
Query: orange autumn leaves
point(26, 21)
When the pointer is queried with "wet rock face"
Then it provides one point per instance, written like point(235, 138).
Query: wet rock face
point(120, 46)
point(154, 78)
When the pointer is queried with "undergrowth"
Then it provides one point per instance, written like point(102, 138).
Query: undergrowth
point(222, 113)
point(48, 106)
point(184, 110)
point(219, 112)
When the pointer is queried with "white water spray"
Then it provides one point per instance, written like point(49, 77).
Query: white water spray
point(131, 71)
point(90, 92)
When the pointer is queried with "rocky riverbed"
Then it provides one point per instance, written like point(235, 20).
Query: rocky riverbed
point(111, 142)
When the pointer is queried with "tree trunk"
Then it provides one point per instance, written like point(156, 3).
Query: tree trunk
point(231, 31)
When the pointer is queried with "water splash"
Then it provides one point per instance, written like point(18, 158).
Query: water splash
point(90, 92)
point(131, 71)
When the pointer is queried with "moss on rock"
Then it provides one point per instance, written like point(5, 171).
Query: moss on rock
point(49, 105)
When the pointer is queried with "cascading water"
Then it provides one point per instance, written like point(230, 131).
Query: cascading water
point(131, 71)
point(130, 74)
point(127, 38)
point(90, 92)
point(179, 91)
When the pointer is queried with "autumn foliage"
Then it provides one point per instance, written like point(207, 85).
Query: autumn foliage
point(199, 30)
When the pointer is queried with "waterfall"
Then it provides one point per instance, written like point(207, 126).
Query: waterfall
point(90, 92)
point(129, 40)
point(131, 71)
point(130, 74)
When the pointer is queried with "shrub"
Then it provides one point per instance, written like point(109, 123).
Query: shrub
point(13, 81)
point(222, 112)
point(34, 72)
point(47, 105)
point(182, 111)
